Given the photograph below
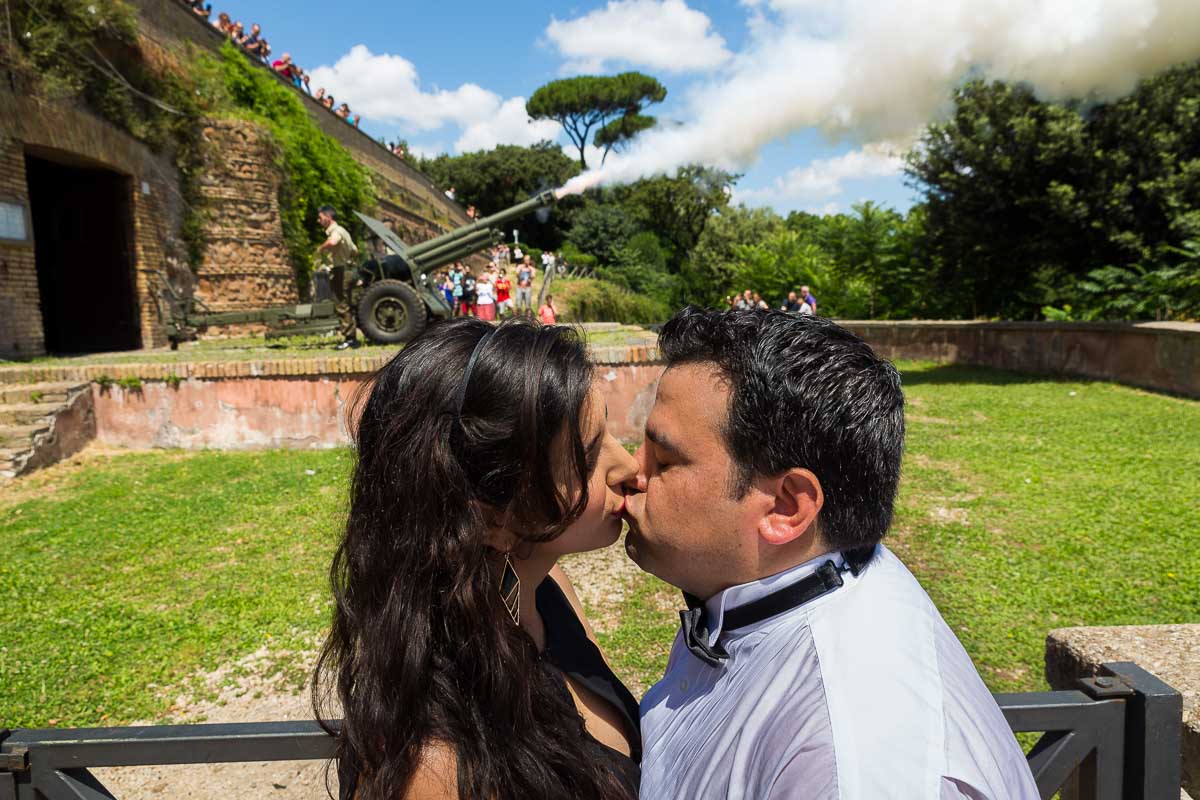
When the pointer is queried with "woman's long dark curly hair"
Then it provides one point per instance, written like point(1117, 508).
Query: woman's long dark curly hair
point(422, 650)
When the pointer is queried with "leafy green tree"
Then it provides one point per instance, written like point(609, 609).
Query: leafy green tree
point(1027, 200)
point(677, 208)
point(1006, 185)
point(712, 269)
point(620, 131)
point(587, 102)
point(492, 180)
point(640, 265)
point(601, 229)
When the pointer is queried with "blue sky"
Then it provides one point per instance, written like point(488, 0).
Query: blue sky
point(453, 76)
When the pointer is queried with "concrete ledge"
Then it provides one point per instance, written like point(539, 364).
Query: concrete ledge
point(1171, 652)
point(315, 366)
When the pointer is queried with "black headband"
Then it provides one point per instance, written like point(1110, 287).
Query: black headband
point(461, 395)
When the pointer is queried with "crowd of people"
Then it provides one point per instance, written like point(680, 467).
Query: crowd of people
point(492, 294)
point(255, 45)
point(802, 303)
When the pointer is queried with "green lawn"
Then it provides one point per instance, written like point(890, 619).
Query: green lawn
point(1027, 504)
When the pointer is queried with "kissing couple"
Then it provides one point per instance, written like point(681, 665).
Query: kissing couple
point(809, 662)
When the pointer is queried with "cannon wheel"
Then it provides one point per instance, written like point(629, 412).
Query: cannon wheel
point(390, 312)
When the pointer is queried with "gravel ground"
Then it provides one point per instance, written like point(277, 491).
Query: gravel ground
point(245, 692)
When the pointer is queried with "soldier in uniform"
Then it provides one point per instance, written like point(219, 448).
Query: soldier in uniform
point(342, 280)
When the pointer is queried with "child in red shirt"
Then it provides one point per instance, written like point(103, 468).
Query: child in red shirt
point(503, 286)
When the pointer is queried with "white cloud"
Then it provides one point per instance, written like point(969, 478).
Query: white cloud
point(824, 178)
point(387, 88)
point(507, 124)
point(663, 35)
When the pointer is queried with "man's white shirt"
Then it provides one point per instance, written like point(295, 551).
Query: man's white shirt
point(862, 693)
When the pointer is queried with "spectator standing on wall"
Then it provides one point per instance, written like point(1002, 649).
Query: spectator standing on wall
point(450, 193)
point(808, 298)
point(200, 9)
point(223, 23)
point(548, 314)
point(503, 297)
point(285, 67)
point(252, 42)
point(343, 279)
point(525, 287)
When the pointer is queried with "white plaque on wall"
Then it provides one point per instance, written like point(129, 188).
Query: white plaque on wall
point(12, 222)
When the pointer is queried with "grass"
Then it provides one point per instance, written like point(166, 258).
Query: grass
point(1027, 504)
point(128, 577)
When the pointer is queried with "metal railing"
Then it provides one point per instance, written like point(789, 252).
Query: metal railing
point(1116, 737)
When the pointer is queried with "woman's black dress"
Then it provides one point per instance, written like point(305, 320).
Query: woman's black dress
point(571, 653)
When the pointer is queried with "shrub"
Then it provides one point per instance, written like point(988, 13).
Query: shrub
point(590, 300)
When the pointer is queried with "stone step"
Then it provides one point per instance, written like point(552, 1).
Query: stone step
point(38, 392)
point(20, 437)
point(28, 413)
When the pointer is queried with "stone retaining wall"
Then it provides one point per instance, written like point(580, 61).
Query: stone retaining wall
point(1162, 356)
point(304, 403)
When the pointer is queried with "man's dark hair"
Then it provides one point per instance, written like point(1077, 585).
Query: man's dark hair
point(328, 210)
point(804, 392)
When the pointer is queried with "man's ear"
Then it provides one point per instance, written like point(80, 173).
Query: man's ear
point(798, 500)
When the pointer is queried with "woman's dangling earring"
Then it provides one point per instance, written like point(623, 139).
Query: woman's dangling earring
point(510, 590)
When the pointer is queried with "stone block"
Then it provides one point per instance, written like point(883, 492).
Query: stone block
point(1170, 652)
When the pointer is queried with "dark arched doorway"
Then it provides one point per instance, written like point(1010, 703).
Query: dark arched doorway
point(82, 233)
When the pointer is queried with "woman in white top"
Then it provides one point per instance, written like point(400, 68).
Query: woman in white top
point(485, 300)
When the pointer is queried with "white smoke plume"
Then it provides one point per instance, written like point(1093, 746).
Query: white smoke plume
point(879, 70)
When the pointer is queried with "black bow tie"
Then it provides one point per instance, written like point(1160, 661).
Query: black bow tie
point(695, 621)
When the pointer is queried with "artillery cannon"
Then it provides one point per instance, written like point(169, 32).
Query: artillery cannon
point(398, 295)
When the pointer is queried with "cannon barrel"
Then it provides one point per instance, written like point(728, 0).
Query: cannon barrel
point(496, 220)
point(452, 250)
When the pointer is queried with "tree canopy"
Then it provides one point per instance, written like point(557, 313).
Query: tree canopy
point(617, 133)
point(587, 102)
point(1030, 202)
point(492, 180)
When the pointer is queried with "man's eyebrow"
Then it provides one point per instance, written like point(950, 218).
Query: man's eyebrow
point(660, 440)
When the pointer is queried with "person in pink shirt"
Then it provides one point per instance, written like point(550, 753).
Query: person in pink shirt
point(548, 312)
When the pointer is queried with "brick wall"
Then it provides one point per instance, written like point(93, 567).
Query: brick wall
point(246, 262)
point(20, 313)
point(61, 132)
